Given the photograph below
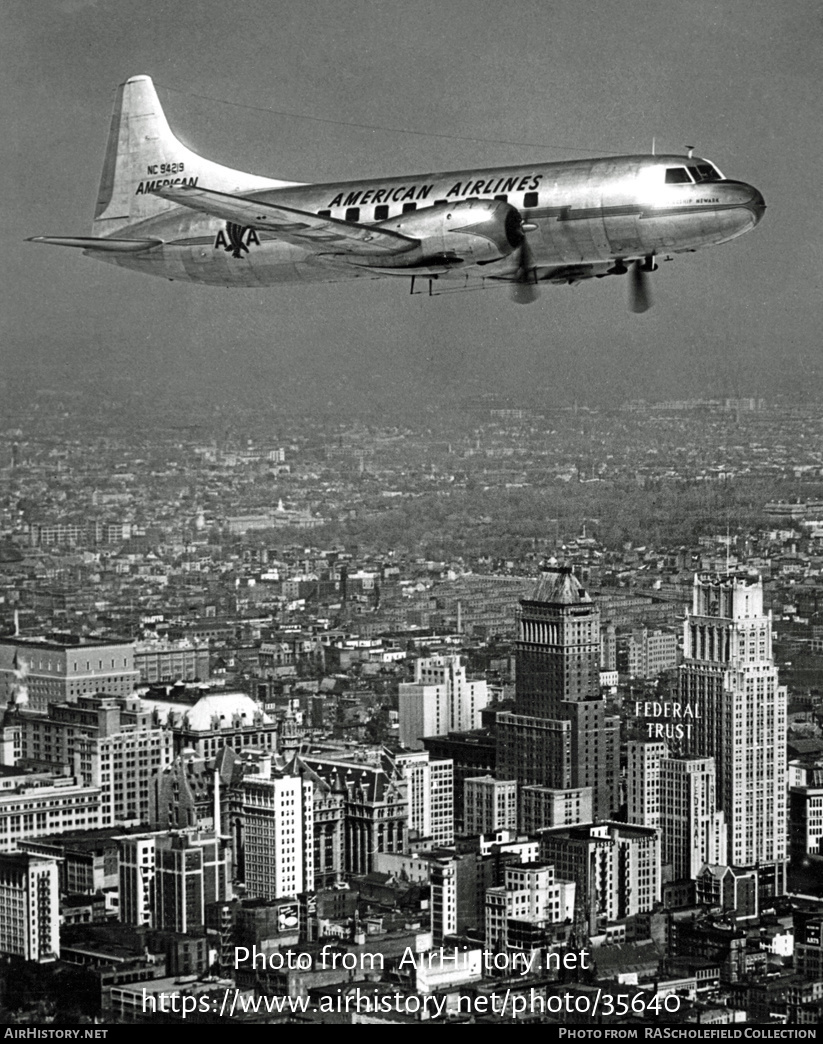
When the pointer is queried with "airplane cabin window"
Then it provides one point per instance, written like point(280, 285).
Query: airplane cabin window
point(353, 214)
point(504, 198)
point(677, 176)
point(381, 212)
point(409, 206)
point(530, 199)
point(324, 213)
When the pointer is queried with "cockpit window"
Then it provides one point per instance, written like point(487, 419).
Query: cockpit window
point(704, 172)
point(677, 176)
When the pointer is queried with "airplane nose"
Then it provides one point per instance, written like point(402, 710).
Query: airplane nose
point(743, 205)
point(757, 204)
point(742, 195)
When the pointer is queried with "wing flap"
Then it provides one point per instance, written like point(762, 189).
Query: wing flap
point(324, 235)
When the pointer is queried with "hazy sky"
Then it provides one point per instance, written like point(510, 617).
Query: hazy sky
point(739, 79)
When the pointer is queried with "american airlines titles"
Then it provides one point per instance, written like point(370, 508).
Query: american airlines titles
point(404, 193)
point(152, 186)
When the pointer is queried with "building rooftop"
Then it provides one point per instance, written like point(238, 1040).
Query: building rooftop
point(605, 831)
point(224, 710)
point(559, 585)
point(61, 642)
point(81, 840)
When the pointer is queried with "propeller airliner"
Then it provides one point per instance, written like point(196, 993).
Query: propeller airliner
point(163, 210)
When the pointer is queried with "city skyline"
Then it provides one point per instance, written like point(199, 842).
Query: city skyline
point(231, 817)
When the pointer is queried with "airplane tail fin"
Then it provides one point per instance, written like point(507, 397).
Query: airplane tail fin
point(143, 155)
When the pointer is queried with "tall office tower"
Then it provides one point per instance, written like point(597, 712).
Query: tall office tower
point(29, 907)
point(38, 671)
point(647, 653)
point(136, 868)
point(616, 867)
point(521, 912)
point(559, 735)
point(489, 805)
point(471, 753)
point(441, 699)
point(431, 796)
point(692, 830)
point(279, 836)
point(458, 879)
point(114, 743)
point(643, 781)
point(192, 869)
point(729, 680)
point(167, 879)
point(546, 807)
point(327, 825)
point(608, 647)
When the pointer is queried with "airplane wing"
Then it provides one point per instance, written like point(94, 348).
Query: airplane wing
point(107, 246)
point(324, 235)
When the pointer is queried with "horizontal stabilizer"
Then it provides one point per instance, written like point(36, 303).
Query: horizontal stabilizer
point(321, 234)
point(109, 246)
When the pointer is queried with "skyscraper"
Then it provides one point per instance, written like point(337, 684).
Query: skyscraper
point(136, 867)
point(521, 913)
point(441, 699)
point(559, 735)
point(643, 781)
point(191, 871)
point(431, 796)
point(114, 743)
point(166, 880)
point(616, 867)
point(730, 681)
point(692, 830)
point(489, 805)
point(279, 846)
point(29, 907)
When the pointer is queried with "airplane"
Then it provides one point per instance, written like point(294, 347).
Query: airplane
point(163, 210)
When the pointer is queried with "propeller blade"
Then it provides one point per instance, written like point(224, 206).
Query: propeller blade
point(524, 288)
point(640, 297)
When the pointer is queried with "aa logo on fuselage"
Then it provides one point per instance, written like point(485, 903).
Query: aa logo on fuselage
point(236, 239)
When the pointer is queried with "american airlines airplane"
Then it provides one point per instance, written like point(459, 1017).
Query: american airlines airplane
point(163, 210)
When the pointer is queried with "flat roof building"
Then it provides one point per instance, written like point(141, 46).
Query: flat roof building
point(35, 672)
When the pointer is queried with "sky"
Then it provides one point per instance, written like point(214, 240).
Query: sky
point(341, 89)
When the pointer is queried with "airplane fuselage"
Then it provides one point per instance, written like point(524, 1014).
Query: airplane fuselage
point(585, 213)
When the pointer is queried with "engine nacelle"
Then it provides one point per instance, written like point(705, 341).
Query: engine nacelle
point(465, 232)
